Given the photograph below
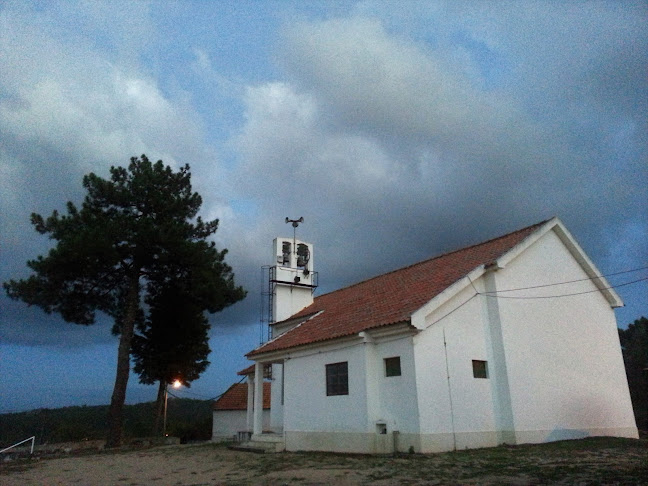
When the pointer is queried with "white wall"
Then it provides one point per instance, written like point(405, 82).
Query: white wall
point(306, 406)
point(276, 405)
point(288, 300)
point(348, 423)
point(315, 421)
point(395, 398)
point(560, 358)
point(455, 412)
point(226, 424)
point(565, 366)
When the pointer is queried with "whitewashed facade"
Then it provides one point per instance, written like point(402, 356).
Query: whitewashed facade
point(231, 415)
point(229, 425)
point(550, 353)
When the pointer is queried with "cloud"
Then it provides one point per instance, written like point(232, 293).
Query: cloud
point(388, 142)
point(398, 131)
point(71, 100)
point(397, 135)
point(69, 108)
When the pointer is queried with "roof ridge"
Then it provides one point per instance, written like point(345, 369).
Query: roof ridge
point(434, 258)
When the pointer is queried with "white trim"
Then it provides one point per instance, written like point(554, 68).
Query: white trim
point(380, 333)
point(574, 249)
point(418, 316)
point(307, 349)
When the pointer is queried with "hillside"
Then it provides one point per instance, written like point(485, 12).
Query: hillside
point(186, 418)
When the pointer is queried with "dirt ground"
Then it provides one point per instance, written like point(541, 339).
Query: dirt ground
point(592, 461)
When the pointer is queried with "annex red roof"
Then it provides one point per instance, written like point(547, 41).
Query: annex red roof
point(246, 371)
point(389, 298)
point(235, 398)
point(250, 370)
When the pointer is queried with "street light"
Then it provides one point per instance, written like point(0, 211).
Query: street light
point(176, 384)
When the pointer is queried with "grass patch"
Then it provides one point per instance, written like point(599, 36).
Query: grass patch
point(590, 461)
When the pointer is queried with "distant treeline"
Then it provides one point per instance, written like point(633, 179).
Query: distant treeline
point(186, 418)
point(634, 344)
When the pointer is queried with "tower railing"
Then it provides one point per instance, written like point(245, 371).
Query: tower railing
point(267, 293)
point(268, 284)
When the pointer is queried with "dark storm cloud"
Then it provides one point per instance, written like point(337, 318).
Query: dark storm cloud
point(396, 153)
point(69, 107)
point(396, 138)
point(398, 130)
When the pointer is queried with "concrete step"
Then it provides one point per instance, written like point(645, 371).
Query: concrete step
point(248, 447)
point(261, 444)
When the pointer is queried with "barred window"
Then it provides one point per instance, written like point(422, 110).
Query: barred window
point(337, 379)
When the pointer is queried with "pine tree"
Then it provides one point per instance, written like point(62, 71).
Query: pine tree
point(172, 344)
point(634, 344)
point(134, 232)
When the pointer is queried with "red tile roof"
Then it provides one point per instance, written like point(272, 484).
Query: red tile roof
point(235, 398)
point(250, 370)
point(392, 297)
point(247, 371)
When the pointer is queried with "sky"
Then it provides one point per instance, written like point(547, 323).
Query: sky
point(398, 130)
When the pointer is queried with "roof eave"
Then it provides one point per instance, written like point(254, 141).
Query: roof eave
point(299, 318)
point(278, 355)
point(377, 332)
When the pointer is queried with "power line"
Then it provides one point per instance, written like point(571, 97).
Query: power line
point(491, 294)
point(508, 297)
point(218, 396)
point(572, 281)
point(453, 310)
point(198, 395)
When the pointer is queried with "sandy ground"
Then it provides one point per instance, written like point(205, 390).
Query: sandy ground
point(210, 464)
point(170, 465)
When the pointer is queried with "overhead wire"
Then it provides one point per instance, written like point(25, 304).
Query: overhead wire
point(573, 281)
point(523, 297)
point(487, 294)
point(206, 399)
point(490, 294)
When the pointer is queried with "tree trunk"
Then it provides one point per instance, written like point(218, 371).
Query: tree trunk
point(159, 409)
point(115, 418)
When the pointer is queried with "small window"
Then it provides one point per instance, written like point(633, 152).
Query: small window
point(480, 369)
point(337, 379)
point(392, 366)
point(267, 372)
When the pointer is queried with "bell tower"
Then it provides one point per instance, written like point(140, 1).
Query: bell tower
point(291, 279)
point(294, 280)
